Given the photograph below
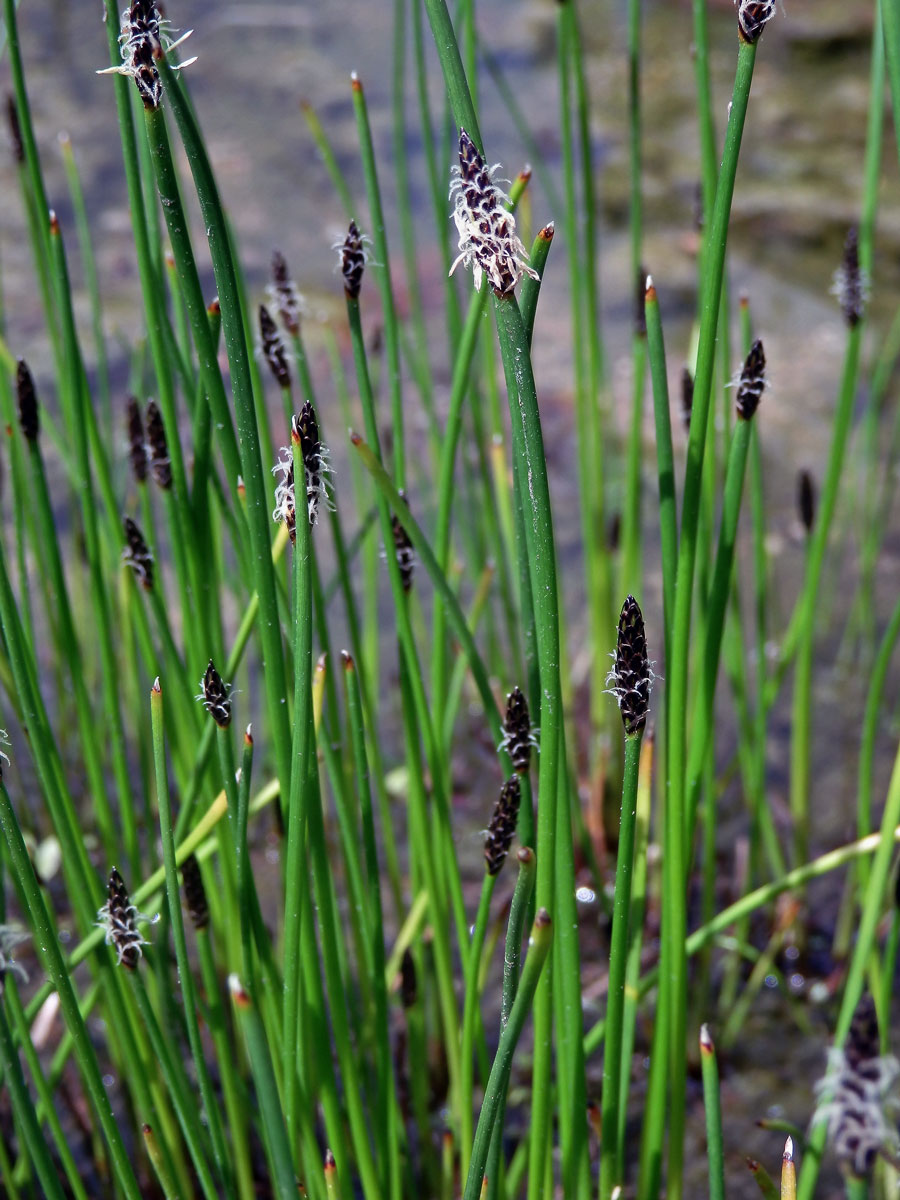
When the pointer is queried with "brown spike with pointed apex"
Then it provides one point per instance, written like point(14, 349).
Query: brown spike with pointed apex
point(119, 918)
point(137, 554)
point(687, 397)
point(273, 350)
point(503, 825)
point(753, 16)
point(629, 679)
point(353, 261)
point(216, 698)
point(28, 403)
point(160, 463)
point(518, 738)
point(806, 500)
point(195, 893)
point(403, 550)
point(850, 283)
point(284, 292)
point(752, 383)
point(409, 986)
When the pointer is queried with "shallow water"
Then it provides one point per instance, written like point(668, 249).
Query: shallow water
point(798, 190)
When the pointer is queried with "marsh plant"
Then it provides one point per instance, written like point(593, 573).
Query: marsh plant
point(358, 1004)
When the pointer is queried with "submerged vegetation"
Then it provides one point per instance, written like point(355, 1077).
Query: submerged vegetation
point(357, 1005)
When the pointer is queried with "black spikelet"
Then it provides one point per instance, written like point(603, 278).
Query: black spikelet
point(137, 554)
point(28, 402)
point(315, 459)
point(353, 261)
point(850, 283)
point(195, 893)
point(403, 550)
point(216, 696)
point(517, 736)
point(137, 447)
point(409, 984)
point(284, 293)
point(753, 16)
point(687, 397)
point(629, 679)
point(806, 500)
point(160, 463)
point(752, 383)
point(140, 39)
point(118, 917)
point(503, 825)
point(273, 350)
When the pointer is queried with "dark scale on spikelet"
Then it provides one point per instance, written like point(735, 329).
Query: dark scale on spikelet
point(855, 1093)
point(216, 696)
point(806, 500)
point(687, 397)
point(140, 40)
point(137, 554)
point(118, 917)
point(353, 261)
point(753, 16)
point(850, 283)
point(409, 984)
point(629, 680)
point(403, 550)
point(160, 463)
point(518, 738)
point(503, 825)
point(284, 293)
point(195, 893)
point(28, 403)
point(137, 446)
point(273, 350)
point(752, 382)
point(15, 130)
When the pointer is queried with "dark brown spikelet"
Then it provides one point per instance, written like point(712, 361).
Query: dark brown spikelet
point(503, 825)
point(140, 40)
point(284, 292)
point(806, 500)
point(15, 130)
point(409, 984)
point(137, 554)
point(273, 350)
point(849, 281)
point(630, 677)
point(518, 738)
point(216, 697)
point(752, 383)
point(403, 550)
point(194, 893)
point(137, 447)
point(160, 463)
point(315, 459)
point(28, 403)
point(118, 917)
point(613, 531)
point(353, 261)
point(753, 16)
point(687, 397)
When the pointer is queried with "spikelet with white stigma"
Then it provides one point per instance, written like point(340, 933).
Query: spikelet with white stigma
point(503, 825)
point(487, 229)
point(851, 283)
point(118, 918)
point(195, 893)
point(215, 696)
point(857, 1097)
point(518, 736)
point(137, 446)
point(630, 679)
point(305, 430)
point(403, 549)
point(752, 382)
point(353, 257)
point(753, 17)
point(137, 554)
point(145, 37)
